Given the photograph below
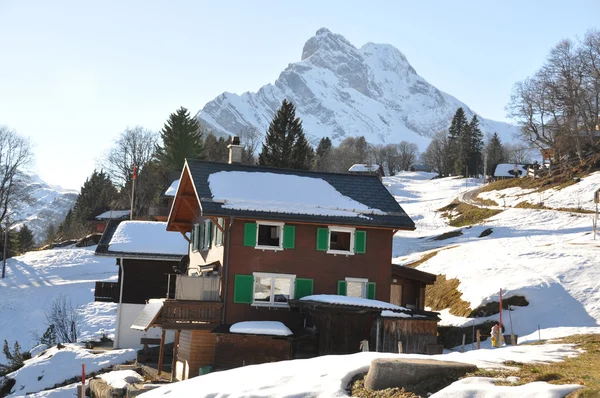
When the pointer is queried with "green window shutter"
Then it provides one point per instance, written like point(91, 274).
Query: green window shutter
point(209, 228)
point(192, 236)
point(322, 239)
point(341, 288)
point(303, 287)
point(289, 236)
point(360, 242)
point(371, 290)
point(196, 244)
point(250, 234)
point(243, 289)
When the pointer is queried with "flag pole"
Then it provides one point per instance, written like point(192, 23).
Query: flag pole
point(133, 191)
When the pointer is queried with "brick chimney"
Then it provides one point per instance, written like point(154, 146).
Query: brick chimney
point(235, 150)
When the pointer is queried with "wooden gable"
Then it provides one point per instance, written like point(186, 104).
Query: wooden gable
point(186, 205)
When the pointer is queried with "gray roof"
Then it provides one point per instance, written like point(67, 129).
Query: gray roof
point(365, 189)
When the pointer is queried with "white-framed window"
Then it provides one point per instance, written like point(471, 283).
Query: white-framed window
point(341, 240)
point(356, 287)
point(273, 289)
point(269, 235)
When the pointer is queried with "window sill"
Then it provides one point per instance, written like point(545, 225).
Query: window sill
point(272, 248)
point(340, 252)
point(271, 305)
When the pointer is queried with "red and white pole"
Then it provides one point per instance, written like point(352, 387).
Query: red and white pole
point(83, 380)
point(500, 312)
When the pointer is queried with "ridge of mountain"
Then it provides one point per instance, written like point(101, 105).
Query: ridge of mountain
point(340, 90)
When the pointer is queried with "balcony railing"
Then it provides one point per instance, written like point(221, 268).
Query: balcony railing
point(107, 292)
point(189, 314)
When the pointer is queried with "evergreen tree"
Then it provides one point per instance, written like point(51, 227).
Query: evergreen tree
point(455, 147)
point(181, 138)
point(474, 161)
point(285, 145)
point(215, 149)
point(495, 154)
point(323, 155)
point(13, 243)
point(26, 241)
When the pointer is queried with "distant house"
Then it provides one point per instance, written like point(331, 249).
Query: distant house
point(421, 167)
point(148, 258)
point(284, 247)
point(100, 221)
point(160, 211)
point(368, 169)
point(510, 170)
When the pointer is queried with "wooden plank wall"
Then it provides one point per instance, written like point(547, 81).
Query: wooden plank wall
point(341, 333)
point(234, 350)
point(196, 349)
point(414, 334)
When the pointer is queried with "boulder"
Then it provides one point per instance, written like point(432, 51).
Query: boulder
point(410, 373)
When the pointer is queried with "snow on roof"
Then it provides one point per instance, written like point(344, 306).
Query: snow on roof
point(507, 170)
point(352, 301)
point(112, 214)
point(283, 193)
point(149, 237)
point(392, 314)
point(172, 190)
point(271, 328)
point(371, 168)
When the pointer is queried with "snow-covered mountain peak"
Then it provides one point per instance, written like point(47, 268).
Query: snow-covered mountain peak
point(340, 90)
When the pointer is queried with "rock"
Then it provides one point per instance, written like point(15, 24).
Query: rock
point(6, 384)
point(100, 389)
point(133, 390)
point(389, 373)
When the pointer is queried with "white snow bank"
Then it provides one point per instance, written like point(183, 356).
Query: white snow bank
point(283, 193)
point(172, 190)
point(120, 378)
point(107, 215)
point(149, 237)
point(55, 366)
point(484, 387)
point(272, 328)
point(352, 301)
point(68, 391)
point(328, 376)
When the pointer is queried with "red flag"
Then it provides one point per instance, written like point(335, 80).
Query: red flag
point(134, 172)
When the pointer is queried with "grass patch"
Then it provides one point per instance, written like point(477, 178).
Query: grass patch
point(420, 261)
point(485, 202)
point(444, 294)
point(425, 388)
point(583, 369)
point(462, 214)
point(540, 206)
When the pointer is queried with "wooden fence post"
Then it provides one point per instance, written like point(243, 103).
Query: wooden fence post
point(463, 342)
point(478, 339)
point(400, 347)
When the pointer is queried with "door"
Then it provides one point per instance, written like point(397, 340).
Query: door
point(396, 295)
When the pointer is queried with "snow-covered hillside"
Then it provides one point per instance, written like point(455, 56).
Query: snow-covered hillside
point(35, 279)
point(547, 256)
point(50, 206)
point(340, 90)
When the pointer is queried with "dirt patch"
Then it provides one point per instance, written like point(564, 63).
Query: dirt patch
point(444, 294)
point(462, 214)
point(583, 369)
point(493, 307)
point(486, 232)
point(448, 235)
point(541, 206)
point(356, 388)
point(423, 259)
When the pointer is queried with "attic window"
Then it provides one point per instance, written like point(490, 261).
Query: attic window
point(269, 235)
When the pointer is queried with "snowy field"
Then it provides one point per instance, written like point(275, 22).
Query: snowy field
point(35, 279)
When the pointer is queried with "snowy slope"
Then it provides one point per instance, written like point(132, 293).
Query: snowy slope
point(340, 90)
point(50, 206)
point(34, 279)
point(547, 256)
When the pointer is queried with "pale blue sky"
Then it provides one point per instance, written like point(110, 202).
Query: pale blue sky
point(74, 74)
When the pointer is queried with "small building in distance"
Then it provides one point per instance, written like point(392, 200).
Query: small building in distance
point(367, 169)
point(510, 170)
point(101, 220)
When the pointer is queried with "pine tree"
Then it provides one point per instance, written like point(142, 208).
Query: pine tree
point(181, 138)
point(285, 145)
point(495, 154)
point(475, 151)
point(323, 155)
point(215, 149)
point(26, 241)
point(459, 141)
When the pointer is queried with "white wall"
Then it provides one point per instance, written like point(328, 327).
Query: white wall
point(125, 337)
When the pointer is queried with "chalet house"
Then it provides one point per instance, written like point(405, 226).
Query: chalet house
point(148, 258)
point(367, 169)
point(284, 264)
point(510, 170)
point(101, 220)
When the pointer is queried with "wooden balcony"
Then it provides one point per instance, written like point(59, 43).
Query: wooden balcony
point(189, 314)
point(107, 292)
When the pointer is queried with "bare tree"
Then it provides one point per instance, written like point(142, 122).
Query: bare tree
point(437, 154)
point(15, 155)
point(407, 154)
point(135, 146)
point(64, 318)
point(251, 139)
point(518, 153)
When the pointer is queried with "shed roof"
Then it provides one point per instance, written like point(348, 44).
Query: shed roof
point(400, 271)
point(141, 239)
point(294, 195)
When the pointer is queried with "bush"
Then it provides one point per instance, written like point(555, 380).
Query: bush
point(15, 358)
point(64, 323)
